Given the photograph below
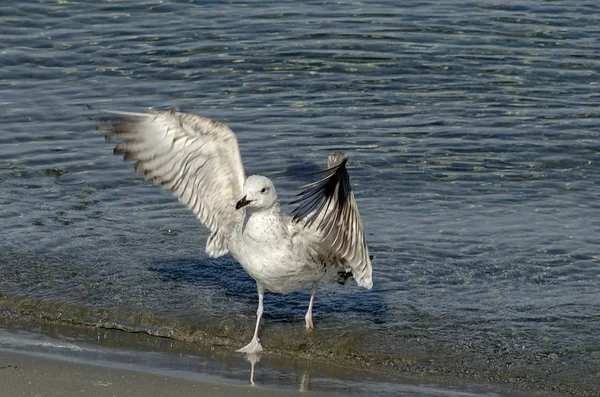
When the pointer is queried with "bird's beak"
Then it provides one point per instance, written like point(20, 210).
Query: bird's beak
point(242, 203)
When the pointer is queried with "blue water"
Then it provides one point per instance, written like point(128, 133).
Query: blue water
point(473, 134)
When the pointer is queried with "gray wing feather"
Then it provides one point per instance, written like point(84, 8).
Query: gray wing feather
point(196, 158)
point(328, 208)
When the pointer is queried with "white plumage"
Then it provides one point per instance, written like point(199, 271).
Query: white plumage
point(199, 161)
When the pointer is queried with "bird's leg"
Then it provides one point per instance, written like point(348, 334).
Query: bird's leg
point(308, 316)
point(254, 345)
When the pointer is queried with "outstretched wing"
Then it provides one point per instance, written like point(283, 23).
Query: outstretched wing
point(197, 159)
point(328, 208)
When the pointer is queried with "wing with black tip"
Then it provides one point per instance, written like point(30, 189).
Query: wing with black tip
point(327, 208)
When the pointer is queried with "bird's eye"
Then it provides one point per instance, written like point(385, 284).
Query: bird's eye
point(264, 189)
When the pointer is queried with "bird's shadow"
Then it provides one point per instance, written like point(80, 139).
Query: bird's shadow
point(227, 276)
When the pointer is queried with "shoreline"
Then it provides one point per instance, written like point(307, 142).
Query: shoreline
point(44, 375)
point(26, 356)
point(455, 371)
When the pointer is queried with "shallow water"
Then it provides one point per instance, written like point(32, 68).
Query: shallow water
point(473, 134)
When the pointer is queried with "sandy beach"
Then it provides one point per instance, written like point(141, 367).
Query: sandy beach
point(121, 364)
point(25, 374)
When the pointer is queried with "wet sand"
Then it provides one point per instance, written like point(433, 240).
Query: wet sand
point(283, 366)
point(34, 375)
point(58, 360)
point(62, 363)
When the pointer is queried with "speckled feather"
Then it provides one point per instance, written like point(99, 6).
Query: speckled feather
point(197, 159)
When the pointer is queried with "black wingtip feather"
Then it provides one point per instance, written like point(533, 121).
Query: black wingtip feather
point(326, 170)
point(319, 195)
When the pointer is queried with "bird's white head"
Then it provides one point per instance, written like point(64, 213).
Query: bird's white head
point(258, 193)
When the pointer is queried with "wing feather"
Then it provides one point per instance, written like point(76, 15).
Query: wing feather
point(328, 208)
point(196, 158)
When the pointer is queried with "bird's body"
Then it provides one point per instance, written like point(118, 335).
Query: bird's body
point(262, 243)
point(198, 160)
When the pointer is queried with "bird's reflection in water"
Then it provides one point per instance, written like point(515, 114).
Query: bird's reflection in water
point(304, 382)
point(255, 358)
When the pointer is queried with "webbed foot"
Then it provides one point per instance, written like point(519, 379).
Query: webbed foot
point(251, 348)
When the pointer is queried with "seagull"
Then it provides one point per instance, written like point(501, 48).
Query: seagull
point(199, 161)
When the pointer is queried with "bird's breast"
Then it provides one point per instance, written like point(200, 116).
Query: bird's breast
point(264, 249)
